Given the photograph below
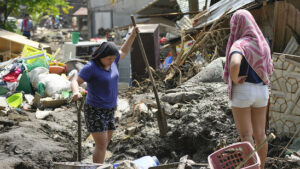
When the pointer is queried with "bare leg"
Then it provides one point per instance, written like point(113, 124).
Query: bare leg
point(109, 136)
point(258, 116)
point(101, 141)
point(242, 119)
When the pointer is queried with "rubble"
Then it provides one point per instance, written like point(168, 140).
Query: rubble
point(213, 72)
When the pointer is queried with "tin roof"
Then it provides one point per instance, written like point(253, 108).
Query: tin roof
point(217, 9)
point(159, 7)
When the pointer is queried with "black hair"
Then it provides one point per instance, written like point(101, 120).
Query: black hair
point(104, 50)
point(26, 14)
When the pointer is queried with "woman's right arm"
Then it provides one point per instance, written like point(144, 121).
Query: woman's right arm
point(75, 83)
point(235, 63)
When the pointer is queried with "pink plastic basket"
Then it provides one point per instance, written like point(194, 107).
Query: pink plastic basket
point(231, 156)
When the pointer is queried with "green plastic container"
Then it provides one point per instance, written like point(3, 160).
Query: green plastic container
point(15, 100)
point(75, 37)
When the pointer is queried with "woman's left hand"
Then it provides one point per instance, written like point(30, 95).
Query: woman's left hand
point(239, 80)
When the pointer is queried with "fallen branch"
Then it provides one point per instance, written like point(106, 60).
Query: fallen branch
point(180, 74)
point(215, 54)
point(178, 58)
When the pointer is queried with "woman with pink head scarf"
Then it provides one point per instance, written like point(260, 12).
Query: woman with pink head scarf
point(247, 70)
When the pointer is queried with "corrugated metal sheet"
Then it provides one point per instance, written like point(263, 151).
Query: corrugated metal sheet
point(184, 5)
point(216, 10)
point(286, 15)
point(159, 7)
point(292, 47)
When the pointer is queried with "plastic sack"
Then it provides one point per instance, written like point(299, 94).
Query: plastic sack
point(35, 76)
point(55, 83)
point(33, 63)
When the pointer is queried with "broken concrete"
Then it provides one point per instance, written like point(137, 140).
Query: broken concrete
point(213, 72)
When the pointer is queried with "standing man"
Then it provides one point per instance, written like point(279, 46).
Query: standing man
point(26, 26)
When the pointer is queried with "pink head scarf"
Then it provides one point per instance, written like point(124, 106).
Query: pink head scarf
point(247, 38)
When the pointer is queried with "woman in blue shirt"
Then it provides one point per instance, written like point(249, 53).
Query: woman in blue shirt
point(101, 75)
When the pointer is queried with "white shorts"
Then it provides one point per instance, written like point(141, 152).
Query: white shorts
point(249, 95)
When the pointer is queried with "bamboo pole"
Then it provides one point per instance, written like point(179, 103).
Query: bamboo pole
point(161, 118)
point(271, 136)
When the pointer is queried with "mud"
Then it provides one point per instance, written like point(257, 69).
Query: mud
point(36, 143)
point(199, 122)
point(197, 125)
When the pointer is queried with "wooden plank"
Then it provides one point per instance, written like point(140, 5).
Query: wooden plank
point(297, 27)
point(20, 39)
point(290, 21)
point(284, 14)
point(280, 25)
point(293, 21)
point(4, 33)
point(4, 56)
point(4, 45)
point(16, 47)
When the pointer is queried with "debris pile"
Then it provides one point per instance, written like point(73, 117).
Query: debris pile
point(199, 121)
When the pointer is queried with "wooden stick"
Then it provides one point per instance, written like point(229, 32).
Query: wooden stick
point(296, 133)
point(79, 127)
point(161, 118)
point(253, 152)
point(177, 60)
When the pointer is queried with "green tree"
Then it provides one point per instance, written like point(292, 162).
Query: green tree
point(36, 8)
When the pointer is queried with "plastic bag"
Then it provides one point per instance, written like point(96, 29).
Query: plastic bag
point(35, 75)
point(55, 84)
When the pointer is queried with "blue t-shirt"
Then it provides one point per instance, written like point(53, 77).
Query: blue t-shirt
point(102, 85)
point(28, 26)
point(246, 69)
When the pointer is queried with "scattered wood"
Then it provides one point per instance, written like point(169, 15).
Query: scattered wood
point(209, 42)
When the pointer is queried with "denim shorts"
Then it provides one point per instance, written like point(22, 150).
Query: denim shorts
point(249, 95)
point(98, 119)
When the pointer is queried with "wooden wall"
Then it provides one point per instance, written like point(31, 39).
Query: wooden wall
point(285, 15)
